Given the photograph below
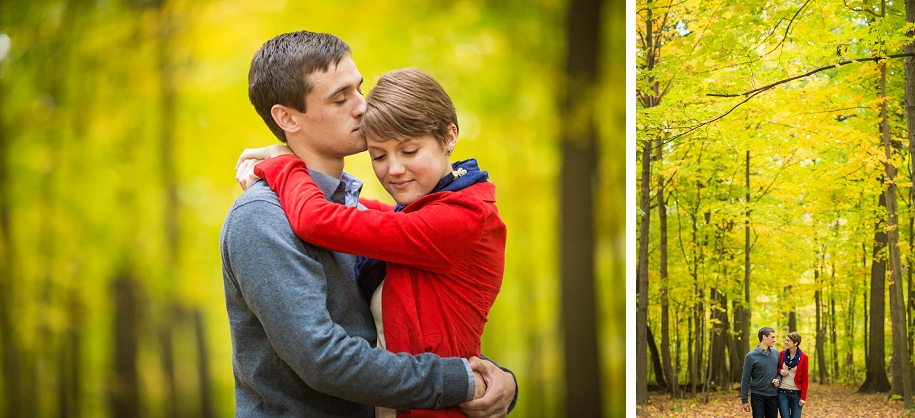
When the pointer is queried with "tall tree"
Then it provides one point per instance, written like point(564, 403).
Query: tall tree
point(649, 99)
point(673, 387)
point(875, 378)
point(582, 377)
point(902, 377)
point(742, 313)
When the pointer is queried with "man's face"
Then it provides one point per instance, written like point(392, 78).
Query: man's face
point(769, 340)
point(334, 109)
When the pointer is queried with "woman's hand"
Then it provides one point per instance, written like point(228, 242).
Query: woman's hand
point(244, 173)
point(784, 372)
point(262, 153)
point(801, 402)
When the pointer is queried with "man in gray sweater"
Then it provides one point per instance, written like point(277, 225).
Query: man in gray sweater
point(303, 339)
point(760, 376)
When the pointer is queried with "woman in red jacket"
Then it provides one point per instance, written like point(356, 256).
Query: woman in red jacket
point(432, 266)
point(792, 365)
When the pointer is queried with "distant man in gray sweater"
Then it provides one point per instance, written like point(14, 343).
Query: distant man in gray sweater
point(303, 338)
point(760, 376)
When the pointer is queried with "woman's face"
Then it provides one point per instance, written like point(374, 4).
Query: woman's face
point(789, 344)
point(409, 168)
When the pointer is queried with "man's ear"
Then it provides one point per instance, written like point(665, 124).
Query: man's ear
point(284, 117)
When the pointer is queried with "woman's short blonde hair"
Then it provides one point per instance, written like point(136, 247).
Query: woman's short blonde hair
point(794, 336)
point(408, 103)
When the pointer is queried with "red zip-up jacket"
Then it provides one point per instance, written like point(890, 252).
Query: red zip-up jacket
point(445, 256)
point(800, 376)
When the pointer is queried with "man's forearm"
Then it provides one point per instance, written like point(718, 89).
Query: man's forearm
point(286, 288)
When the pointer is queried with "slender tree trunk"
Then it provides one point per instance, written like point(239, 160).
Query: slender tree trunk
point(171, 311)
point(124, 385)
point(745, 310)
point(850, 332)
point(821, 351)
point(792, 314)
point(641, 318)
point(203, 367)
point(9, 342)
point(910, 124)
point(875, 353)
point(864, 299)
point(832, 336)
point(902, 378)
point(736, 351)
point(656, 361)
point(673, 385)
point(578, 173)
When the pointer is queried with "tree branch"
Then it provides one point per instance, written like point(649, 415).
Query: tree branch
point(809, 73)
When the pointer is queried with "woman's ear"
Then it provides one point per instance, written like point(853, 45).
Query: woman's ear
point(451, 139)
point(285, 118)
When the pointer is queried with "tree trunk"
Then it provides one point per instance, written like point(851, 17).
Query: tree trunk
point(669, 372)
point(902, 377)
point(656, 361)
point(203, 367)
point(9, 342)
point(124, 386)
point(821, 351)
point(744, 312)
point(172, 311)
point(832, 331)
point(864, 296)
point(578, 173)
point(792, 314)
point(850, 333)
point(875, 377)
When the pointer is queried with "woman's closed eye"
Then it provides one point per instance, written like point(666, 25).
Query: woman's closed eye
point(411, 152)
point(378, 157)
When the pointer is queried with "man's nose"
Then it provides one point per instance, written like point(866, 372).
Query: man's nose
point(359, 110)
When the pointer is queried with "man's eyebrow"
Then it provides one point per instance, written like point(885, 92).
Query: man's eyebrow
point(343, 88)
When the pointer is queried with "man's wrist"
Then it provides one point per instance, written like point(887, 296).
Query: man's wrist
point(471, 385)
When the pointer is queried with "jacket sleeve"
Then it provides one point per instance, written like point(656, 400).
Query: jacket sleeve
point(434, 238)
point(283, 284)
point(803, 377)
point(376, 205)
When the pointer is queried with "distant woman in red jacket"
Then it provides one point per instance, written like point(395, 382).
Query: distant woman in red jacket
point(792, 365)
point(432, 266)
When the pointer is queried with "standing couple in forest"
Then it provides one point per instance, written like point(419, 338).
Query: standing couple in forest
point(317, 331)
point(776, 382)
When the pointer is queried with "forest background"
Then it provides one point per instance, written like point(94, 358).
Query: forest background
point(120, 124)
point(775, 153)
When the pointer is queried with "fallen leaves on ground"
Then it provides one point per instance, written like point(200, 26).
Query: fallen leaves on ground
point(822, 401)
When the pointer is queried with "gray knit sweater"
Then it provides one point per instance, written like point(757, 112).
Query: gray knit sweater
point(302, 336)
point(759, 368)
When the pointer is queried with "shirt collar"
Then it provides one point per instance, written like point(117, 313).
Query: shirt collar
point(344, 191)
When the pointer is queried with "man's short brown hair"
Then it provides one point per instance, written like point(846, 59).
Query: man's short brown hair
point(280, 68)
point(408, 103)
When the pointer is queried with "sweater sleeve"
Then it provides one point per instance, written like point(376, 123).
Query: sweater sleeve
point(434, 238)
point(285, 287)
point(745, 379)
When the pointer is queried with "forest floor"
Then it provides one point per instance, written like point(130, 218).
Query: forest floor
point(822, 401)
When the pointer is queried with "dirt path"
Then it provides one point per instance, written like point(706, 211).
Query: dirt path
point(822, 401)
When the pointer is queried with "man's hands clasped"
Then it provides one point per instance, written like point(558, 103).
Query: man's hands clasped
point(500, 391)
